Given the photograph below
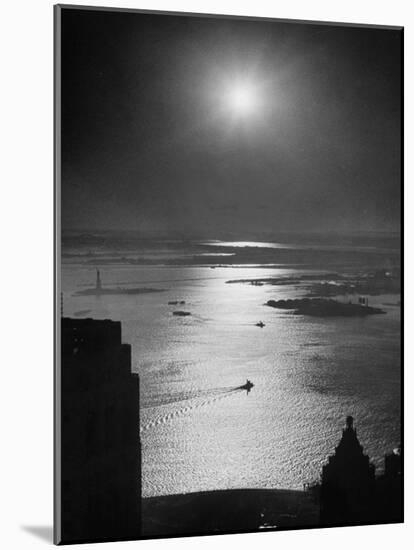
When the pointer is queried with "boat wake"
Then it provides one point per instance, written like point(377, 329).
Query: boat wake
point(185, 396)
point(216, 396)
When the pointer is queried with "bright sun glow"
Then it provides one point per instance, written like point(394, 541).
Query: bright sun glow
point(242, 99)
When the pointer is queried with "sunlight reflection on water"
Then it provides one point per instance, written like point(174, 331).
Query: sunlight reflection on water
point(308, 375)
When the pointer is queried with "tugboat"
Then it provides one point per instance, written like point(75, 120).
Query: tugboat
point(247, 386)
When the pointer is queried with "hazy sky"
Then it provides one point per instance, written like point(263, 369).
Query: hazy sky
point(153, 137)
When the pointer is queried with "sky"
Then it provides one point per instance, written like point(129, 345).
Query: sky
point(205, 127)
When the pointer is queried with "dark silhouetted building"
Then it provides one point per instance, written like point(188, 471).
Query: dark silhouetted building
point(393, 464)
point(348, 483)
point(390, 488)
point(100, 442)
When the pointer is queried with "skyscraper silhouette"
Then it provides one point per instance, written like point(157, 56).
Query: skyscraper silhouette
point(348, 483)
point(100, 445)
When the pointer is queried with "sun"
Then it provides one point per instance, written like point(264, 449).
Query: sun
point(242, 99)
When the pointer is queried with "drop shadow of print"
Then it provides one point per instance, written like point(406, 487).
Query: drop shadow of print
point(43, 532)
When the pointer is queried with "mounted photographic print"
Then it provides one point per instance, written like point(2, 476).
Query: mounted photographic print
point(228, 274)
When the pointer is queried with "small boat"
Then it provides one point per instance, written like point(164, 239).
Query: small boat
point(260, 324)
point(247, 386)
point(181, 313)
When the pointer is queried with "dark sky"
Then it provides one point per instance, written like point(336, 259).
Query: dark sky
point(151, 143)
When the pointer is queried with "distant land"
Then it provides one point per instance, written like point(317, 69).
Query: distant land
point(375, 251)
point(117, 290)
point(319, 307)
point(370, 283)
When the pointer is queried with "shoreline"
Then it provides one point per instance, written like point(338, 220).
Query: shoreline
point(227, 509)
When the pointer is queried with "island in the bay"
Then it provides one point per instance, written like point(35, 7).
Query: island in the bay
point(368, 283)
point(319, 307)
